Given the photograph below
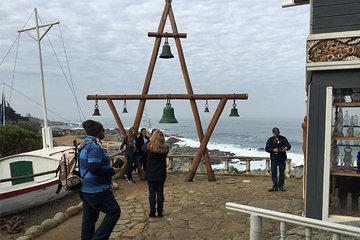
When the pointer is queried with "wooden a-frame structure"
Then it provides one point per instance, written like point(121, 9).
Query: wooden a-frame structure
point(203, 138)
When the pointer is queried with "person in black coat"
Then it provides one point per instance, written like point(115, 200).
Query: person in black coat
point(155, 173)
point(140, 141)
point(277, 146)
point(131, 152)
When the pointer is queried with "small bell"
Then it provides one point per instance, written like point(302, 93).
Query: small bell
point(96, 110)
point(125, 107)
point(166, 52)
point(206, 107)
point(234, 111)
point(168, 114)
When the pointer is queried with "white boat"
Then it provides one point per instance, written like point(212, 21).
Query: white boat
point(20, 194)
point(28, 179)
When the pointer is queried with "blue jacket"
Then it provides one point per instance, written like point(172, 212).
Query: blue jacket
point(94, 163)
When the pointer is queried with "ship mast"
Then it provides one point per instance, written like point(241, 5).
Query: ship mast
point(46, 131)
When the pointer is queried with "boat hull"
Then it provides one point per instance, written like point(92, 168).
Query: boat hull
point(17, 195)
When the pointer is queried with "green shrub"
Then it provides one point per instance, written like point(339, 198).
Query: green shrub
point(14, 140)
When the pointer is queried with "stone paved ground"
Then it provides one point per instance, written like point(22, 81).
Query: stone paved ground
point(194, 210)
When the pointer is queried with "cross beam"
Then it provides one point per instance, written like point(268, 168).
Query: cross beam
point(243, 96)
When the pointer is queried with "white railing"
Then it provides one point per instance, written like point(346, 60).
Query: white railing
point(256, 215)
point(228, 159)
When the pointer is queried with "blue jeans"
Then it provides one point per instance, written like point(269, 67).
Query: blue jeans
point(93, 204)
point(132, 164)
point(156, 195)
point(274, 166)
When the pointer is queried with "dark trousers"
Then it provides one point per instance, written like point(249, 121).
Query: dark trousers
point(156, 195)
point(132, 164)
point(142, 161)
point(93, 204)
point(274, 178)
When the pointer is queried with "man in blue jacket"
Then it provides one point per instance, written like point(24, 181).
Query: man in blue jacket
point(277, 146)
point(96, 190)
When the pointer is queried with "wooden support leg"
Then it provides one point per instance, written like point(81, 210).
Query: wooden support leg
point(117, 118)
point(205, 140)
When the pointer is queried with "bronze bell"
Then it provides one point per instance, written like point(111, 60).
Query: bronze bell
point(124, 108)
point(168, 114)
point(206, 107)
point(234, 111)
point(166, 52)
point(96, 111)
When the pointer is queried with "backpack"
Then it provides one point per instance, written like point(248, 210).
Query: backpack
point(69, 175)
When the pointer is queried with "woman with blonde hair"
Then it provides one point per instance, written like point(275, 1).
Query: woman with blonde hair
point(155, 174)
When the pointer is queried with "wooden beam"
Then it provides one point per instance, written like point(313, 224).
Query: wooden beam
point(166, 34)
point(239, 96)
point(205, 140)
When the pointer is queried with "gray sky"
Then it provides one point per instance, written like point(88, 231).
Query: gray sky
point(248, 46)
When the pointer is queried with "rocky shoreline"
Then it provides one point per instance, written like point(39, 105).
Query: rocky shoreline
point(113, 138)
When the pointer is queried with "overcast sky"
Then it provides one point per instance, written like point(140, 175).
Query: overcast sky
point(232, 46)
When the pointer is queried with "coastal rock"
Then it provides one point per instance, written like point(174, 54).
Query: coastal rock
point(34, 231)
point(60, 217)
point(72, 211)
point(49, 223)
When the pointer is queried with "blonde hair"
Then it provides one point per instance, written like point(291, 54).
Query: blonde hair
point(157, 143)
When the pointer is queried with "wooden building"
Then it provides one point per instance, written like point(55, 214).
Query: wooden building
point(332, 179)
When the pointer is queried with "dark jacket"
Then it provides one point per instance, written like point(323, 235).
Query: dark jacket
point(130, 149)
point(280, 142)
point(155, 165)
point(139, 144)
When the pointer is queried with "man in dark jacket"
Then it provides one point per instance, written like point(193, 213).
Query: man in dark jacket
point(277, 146)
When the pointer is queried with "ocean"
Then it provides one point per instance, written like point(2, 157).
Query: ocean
point(241, 136)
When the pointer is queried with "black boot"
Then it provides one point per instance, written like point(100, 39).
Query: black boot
point(160, 213)
point(152, 214)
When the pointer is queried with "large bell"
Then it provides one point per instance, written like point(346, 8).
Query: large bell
point(168, 114)
point(234, 111)
point(166, 52)
point(96, 112)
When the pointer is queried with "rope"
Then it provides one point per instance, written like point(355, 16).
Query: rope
point(13, 225)
point(71, 85)
point(32, 100)
point(9, 50)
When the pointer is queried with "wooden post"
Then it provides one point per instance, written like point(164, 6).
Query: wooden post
point(117, 119)
point(151, 67)
point(205, 140)
point(210, 172)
